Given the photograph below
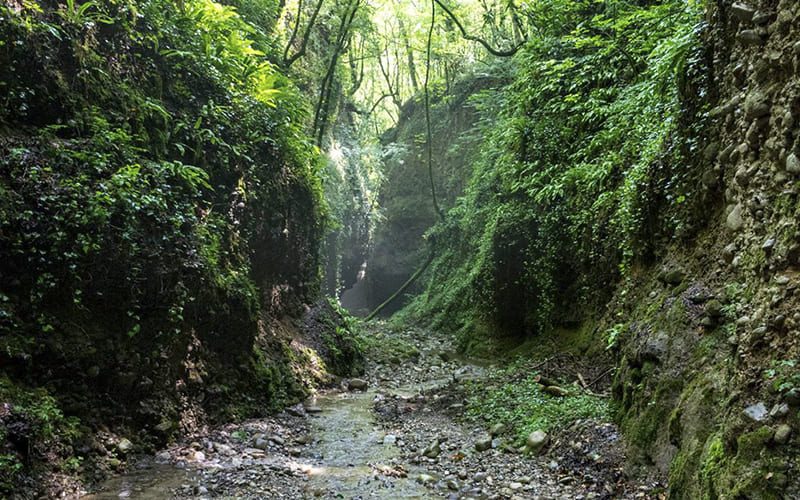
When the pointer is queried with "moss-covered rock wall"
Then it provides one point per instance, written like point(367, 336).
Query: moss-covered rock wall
point(708, 376)
point(160, 225)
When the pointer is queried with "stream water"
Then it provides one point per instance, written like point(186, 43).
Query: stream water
point(348, 455)
point(350, 446)
point(348, 451)
point(150, 481)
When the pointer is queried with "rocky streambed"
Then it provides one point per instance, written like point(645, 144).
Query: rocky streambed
point(398, 432)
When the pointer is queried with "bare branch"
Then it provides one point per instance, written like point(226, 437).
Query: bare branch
point(288, 61)
point(466, 36)
point(429, 134)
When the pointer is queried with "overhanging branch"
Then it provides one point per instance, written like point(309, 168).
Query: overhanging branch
point(466, 36)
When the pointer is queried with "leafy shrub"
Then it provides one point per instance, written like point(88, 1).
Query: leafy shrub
point(31, 424)
point(523, 406)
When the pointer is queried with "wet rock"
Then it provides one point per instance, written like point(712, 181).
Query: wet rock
point(277, 440)
point(734, 221)
point(124, 446)
point(714, 308)
point(221, 448)
point(296, 411)
point(710, 151)
point(313, 409)
point(729, 252)
point(710, 178)
point(756, 105)
point(793, 164)
point(425, 479)
point(725, 109)
point(757, 412)
point(389, 439)
point(675, 276)
point(483, 444)
point(782, 434)
point(762, 17)
point(742, 177)
point(497, 429)
point(780, 410)
point(536, 441)
point(742, 12)
point(726, 153)
point(750, 37)
point(357, 384)
point(164, 427)
point(432, 450)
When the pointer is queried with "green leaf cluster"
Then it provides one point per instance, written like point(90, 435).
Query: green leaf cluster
point(33, 423)
point(523, 406)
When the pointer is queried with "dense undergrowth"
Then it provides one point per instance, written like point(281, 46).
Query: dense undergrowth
point(515, 396)
point(582, 174)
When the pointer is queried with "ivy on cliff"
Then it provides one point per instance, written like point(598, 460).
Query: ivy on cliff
point(574, 169)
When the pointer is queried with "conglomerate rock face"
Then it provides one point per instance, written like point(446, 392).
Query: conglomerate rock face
point(706, 381)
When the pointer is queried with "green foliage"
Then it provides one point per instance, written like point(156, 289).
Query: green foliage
point(40, 409)
point(583, 170)
point(10, 467)
point(351, 180)
point(240, 434)
point(82, 14)
point(142, 174)
point(523, 406)
point(611, 335)
point(388, 348)
point(34, 417)
point(783, 375)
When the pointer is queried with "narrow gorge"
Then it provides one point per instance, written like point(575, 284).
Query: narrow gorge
point(456, 249)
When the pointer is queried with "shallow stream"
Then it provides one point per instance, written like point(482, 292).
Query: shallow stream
point(348, 459)
point(351, 447)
